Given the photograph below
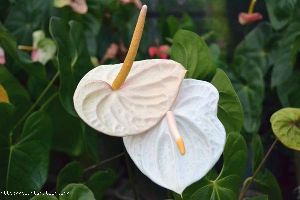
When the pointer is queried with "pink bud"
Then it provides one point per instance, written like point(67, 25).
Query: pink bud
point(153, 51)
point(35, 54)
point(163, 51)
point(79, 6)
point(248, 18)
point(2, 57)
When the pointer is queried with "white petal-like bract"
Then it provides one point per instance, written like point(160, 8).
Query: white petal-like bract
point(155, 152)
point(147, 94)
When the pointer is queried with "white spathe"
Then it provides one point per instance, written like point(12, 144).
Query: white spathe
point(147, 94)
point(155, 152)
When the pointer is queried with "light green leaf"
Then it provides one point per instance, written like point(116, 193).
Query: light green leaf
point(71, 173)
point(191, 51)
point(100, 182)
point(77, 192)
point(286, 127)
point(43, 197)
point(229, 108)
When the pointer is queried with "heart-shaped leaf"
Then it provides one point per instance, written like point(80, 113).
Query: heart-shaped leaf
point(28, 157)
point(226, 185)
point(230, 110)
point(71, 173)
point(286, 127)
point(191, 51)
point(147, 94)
point(155, 153)
point(73, 58)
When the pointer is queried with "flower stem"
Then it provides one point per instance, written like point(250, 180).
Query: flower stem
point(249, 180)
point(44, 92)
point(251, 7)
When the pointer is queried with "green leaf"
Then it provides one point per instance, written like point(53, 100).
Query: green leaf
point(77, 192)
point(264, 181)
point(257, 151)
point(267, 183)
point(43, 197)
point(288, 91)
point(229, 108)
point(191, 51)
point(73, 58)
point(255, 47)
point(16, 92)
point(280, 12)
point(71, 173)
point(100, 182)
point(286, 127)
point(67, 130)
point(249, 85)
point(228, 182)
point(28, 157)
point(25, 17)
point(260, 197)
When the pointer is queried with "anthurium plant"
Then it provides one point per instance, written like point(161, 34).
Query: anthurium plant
point(98, 102)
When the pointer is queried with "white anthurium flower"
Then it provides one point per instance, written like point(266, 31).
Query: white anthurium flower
point(111, 105)
point(155, 151)
point(148, 93)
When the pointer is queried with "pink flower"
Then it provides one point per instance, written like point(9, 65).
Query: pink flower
point(2, 57)
point(159, 51)
point(248, 18)
point(35, 55)
point(111, 52)
point(79, 6)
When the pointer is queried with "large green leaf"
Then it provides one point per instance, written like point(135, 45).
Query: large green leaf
point(71, 173)
point(25, 17)
point(286, 127)
point(73, 58)
point(230, 110)
point(101, 181)
point(227, 184)
point(28, 157)
point(190, 50)
point(255, 46)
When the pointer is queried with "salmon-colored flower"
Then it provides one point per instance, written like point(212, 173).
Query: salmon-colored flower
point(248, 18)
point(2, 56)
point(159, 51)
point(111, 52)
